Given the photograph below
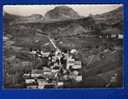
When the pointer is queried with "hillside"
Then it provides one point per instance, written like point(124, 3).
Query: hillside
point(112, 17)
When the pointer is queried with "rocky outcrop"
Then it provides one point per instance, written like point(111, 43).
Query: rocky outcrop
point(61, 13)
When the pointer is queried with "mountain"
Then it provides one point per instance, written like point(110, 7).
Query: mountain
point(111, 22)
point(60, 13)
point(31, 18)
point(65, 30)
point(10, 17)
point(115, 14)
point(112, 17)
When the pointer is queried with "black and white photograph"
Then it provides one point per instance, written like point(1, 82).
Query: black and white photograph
point(62, 46)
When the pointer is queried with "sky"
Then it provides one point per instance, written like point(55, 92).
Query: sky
point(81, 9)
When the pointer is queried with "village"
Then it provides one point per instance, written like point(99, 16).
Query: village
point(60, 67)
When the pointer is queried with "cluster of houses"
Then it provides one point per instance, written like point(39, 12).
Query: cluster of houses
point(61, 67)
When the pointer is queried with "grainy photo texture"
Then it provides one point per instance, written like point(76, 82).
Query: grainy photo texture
point(63, 46)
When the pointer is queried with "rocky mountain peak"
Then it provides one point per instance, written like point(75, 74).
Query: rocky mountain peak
point(60, 13)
